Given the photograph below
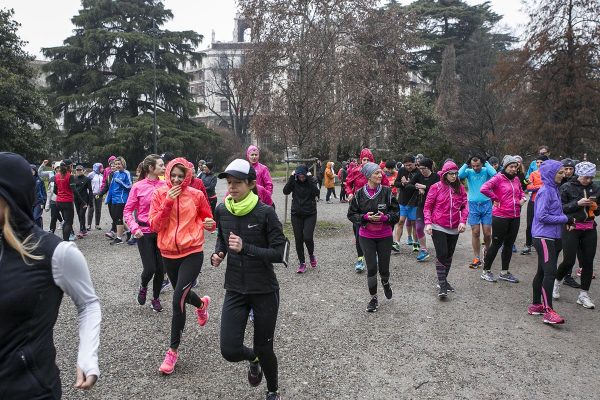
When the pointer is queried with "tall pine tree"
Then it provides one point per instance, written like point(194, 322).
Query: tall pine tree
point(102, 81)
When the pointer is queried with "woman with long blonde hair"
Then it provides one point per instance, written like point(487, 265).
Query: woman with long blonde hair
point(37, 269)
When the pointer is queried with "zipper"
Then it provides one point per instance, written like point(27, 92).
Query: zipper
point(513, 197)
point(451, 205)
point(238, 226)
point(177, 227)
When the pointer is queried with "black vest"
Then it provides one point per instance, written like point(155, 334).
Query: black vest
point(29, 304)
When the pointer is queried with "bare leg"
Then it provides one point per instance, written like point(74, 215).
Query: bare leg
point(475, 233)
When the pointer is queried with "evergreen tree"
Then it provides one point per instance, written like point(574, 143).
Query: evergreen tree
point(103, 80)
point(26, 123)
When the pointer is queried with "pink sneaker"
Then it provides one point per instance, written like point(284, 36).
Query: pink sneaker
point(168, 365)
point(301, 268)
point(536, 309)
point(203, 312)
point(551, 317)
point(313, 261)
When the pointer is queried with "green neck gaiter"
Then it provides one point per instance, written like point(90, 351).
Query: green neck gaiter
point(242, 207)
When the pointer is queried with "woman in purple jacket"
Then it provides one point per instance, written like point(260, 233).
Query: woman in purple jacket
point(548, 221)
point(507, 196)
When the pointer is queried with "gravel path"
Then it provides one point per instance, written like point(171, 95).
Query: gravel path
point(479, 344)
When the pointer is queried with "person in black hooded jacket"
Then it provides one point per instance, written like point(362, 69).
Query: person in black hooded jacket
point(37, 268)
point(251, 236)
point(304, 190)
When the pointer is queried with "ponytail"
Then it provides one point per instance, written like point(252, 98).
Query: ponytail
point(25, 248)
point(149, 161)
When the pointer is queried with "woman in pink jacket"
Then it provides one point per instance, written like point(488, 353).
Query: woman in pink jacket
point(507, 196)
point(263, 176)
point(139, 202)
point(445, 216)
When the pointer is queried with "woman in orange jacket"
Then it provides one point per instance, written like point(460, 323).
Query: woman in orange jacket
point(535, 183)
point(179, 214)
point(329, 181)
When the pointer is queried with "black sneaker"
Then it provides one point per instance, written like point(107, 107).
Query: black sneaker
point(273, 396)
point(449, 287)
point(141, 297)
point(526, 251)
point(443, 290)
point(569, 281)
point(116, 241)
point(255, 373)
point(373, 304)
point(387, 290)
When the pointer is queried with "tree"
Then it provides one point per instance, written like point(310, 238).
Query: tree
point(558, 67)
point(26, 123)
point(104, 79)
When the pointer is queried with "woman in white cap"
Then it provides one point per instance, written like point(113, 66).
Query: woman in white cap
point(506, 193)
point(251, 236)
point(375, 210)
point(579, 198)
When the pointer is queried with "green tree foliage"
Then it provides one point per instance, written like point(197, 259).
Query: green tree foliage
point(26, 123)
point(443, 22)
point(102, 82)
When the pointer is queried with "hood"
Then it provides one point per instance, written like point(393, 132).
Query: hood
point(366, 153)
point(548, 171)
point(251, 149)
point(188, 176)
point(97, 167)
point(448, 166)
point(330, 165)
point(17, 187)
point(111, 159)
point(301, 170)
point(34, 169)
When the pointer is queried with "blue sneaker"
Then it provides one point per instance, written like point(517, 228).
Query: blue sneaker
point(508, 277)
point(359, 266)
point(423, 255)
point(164, 285)
point(409, 241)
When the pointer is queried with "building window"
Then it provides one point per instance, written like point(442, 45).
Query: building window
point(224, 105)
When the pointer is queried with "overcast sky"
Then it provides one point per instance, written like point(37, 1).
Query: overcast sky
point(47, 23)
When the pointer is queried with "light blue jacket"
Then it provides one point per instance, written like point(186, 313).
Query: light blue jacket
point(475, 180)
point(120, 185)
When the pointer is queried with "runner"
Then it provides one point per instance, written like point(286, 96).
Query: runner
point(40, 198)
point(111, 234)
point(329, 182)
point(408, 211)
point(354, 182)
point(119, 186)
point(375, 211)
point(304, 191)
point(480, 206)
point(210, 183)
point(421, 183)
point(548, 222)
point(83, 197)
point(445, 214)
point(342, 175)
point(179, 214)
point(263, 176)
point(51, 195)
point(250, 235)
point(97, 179)
point(507, 196)
point(535, 183)
point(139, 201)
point(580, 202)
point(64, 198)
point(37, 269)
point(542, 151)
point(569, 174)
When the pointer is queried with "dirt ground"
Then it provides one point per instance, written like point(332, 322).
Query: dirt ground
point(478, 344)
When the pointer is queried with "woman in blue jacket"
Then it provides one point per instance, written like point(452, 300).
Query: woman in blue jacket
point(548, 223)
point(118, 192)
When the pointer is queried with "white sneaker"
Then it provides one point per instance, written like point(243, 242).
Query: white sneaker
point(556, 290)
point(584, 300)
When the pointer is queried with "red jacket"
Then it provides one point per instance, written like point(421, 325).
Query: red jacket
point(178, 222)
point(356, 180)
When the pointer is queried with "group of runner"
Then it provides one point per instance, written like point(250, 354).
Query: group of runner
point(561, 202)
point(169, 208)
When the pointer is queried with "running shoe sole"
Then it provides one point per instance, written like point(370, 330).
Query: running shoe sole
point(553, 323)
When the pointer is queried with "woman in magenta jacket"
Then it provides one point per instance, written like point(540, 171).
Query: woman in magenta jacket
point(507, 196)
point(445, 215)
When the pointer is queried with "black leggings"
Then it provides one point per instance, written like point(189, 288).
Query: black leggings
point(504, 233)
point(584, 242)
point(330, 191)
point(304, 229)
point(95, 206)
point(111, 210)
point(234, 317)
point(359, 251)
point(116, 212)
point(54, 216)
point(80, 210)
point(444, 244)
point(182, 272)
point(151, 262)
point(342, 191)
point(530, 209)
point(543, 282)
point(377, 257)
point(68, 212)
